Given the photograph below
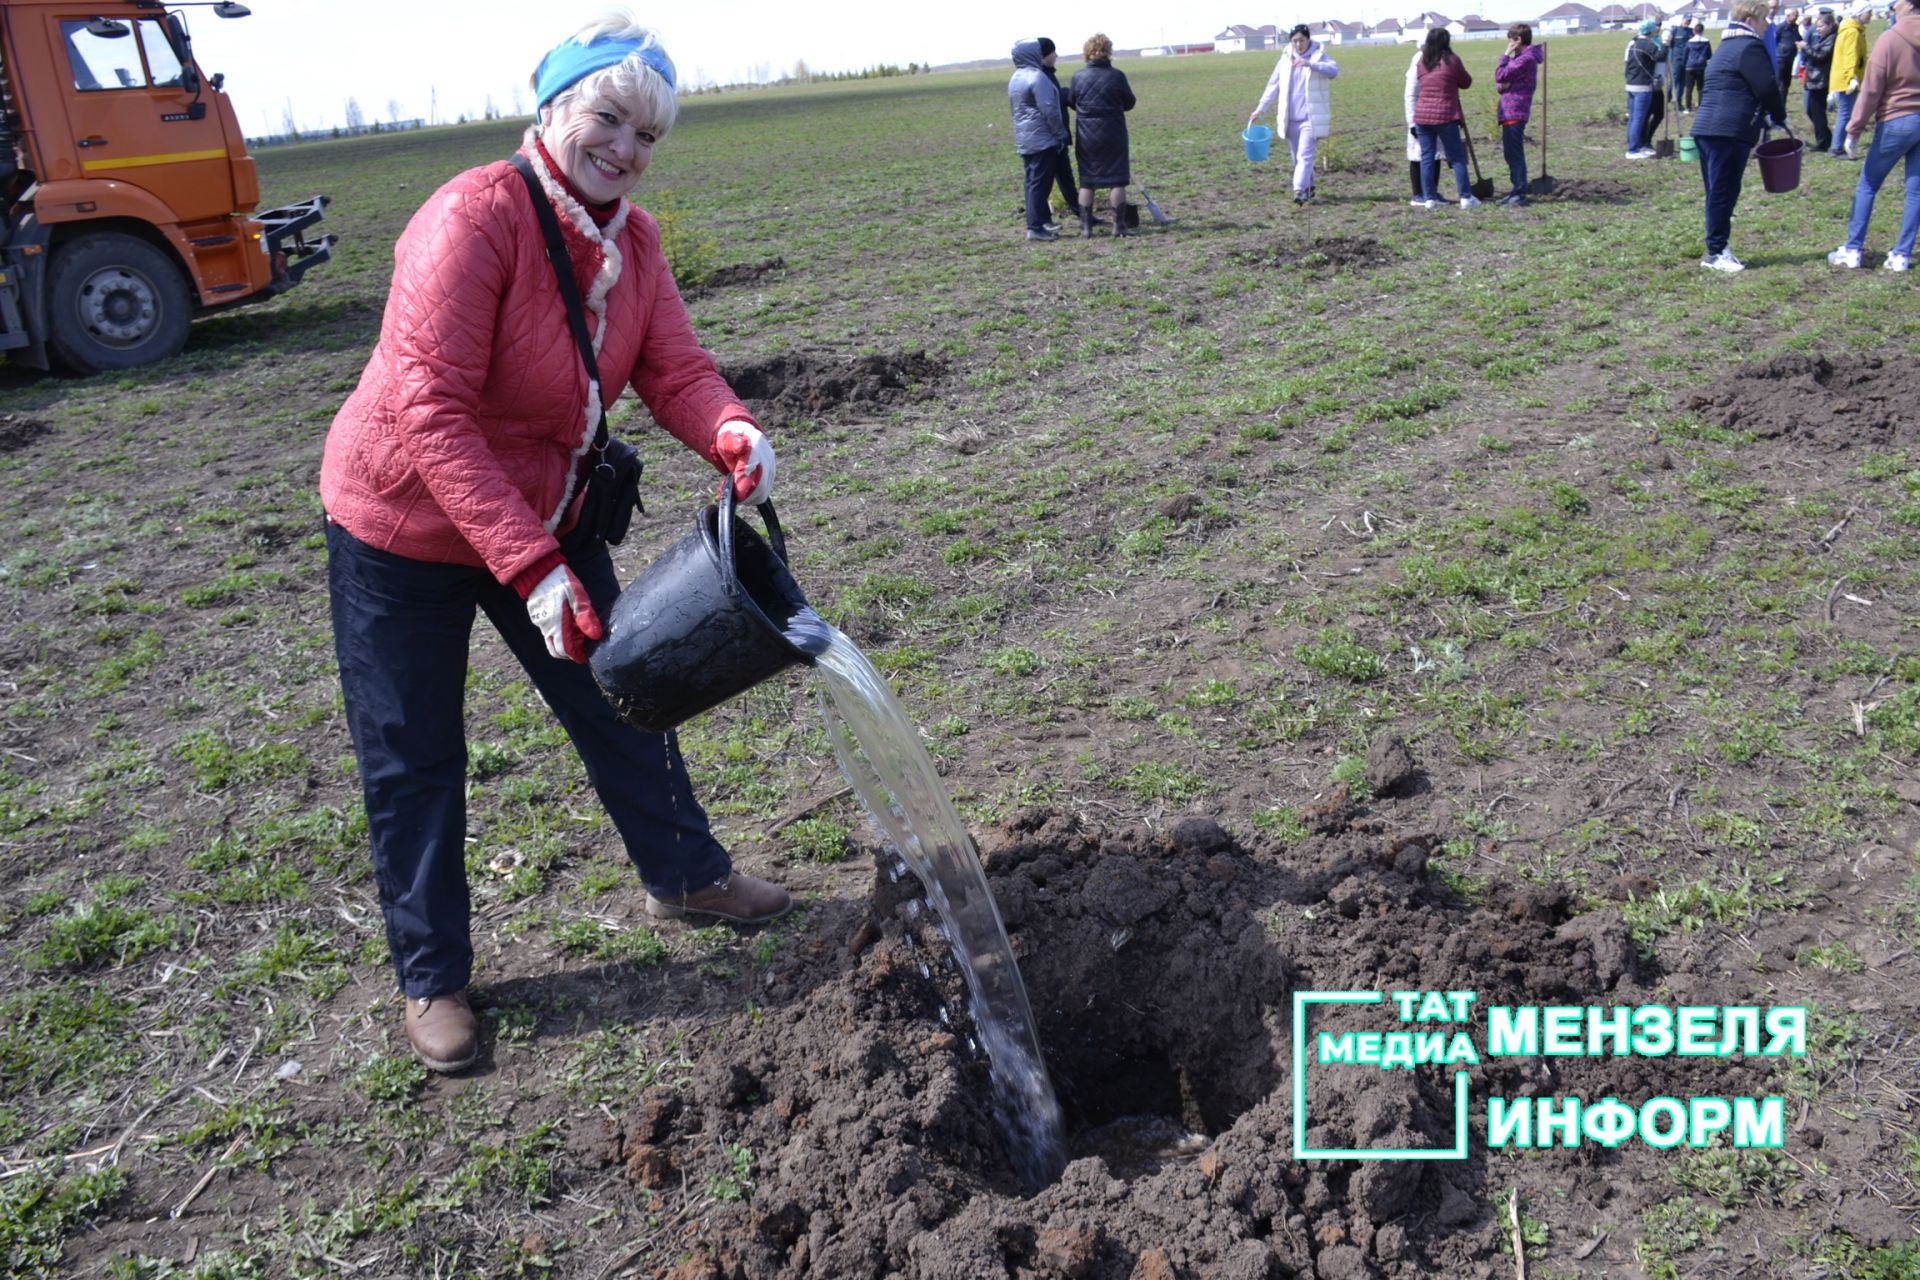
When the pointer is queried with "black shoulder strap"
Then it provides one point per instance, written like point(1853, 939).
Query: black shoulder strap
point(569, 289)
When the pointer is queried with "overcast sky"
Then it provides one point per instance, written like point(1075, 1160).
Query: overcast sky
point(423, 56)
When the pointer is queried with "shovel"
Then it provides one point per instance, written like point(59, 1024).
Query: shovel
point(1153, 210)
point(1542, 185)
point(1482, 188)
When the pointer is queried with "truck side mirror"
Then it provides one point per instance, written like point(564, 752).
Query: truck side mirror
point(231, 9)
point(107, 28)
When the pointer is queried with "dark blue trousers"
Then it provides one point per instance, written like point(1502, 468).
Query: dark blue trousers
point(1041, 168)
point(400, 630)
point(1723, 164)
point(1513, 141)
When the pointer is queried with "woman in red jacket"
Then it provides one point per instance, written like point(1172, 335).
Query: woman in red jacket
point(452, 483)
point(1437, 118)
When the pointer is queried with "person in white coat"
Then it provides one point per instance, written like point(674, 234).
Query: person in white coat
point(1305, 115)
point(1413, 140)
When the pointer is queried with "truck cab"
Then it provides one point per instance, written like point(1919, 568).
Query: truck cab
point(127, 198)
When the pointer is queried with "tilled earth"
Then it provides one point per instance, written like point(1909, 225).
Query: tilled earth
point(1161, 967)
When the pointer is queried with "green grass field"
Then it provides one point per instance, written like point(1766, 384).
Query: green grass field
point(1184, 524)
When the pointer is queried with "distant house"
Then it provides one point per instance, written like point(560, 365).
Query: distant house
point(1240, 37)
point(1334, 31)
point(1388, 27)
point(1616, 15)
point(1644, 11)
point(1475, 27)
point(1567, 19)
point(1714, 15)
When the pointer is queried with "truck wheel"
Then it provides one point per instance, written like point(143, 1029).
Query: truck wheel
point(116, 302)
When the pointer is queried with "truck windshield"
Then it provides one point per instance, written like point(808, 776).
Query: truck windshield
point(113, 62)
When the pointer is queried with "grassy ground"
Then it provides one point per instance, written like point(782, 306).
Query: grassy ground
point(1185, 525)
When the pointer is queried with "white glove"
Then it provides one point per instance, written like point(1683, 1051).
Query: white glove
point(559, 606)
point(748, 458)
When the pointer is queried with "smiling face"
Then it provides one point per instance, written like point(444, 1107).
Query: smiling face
point(599, 147)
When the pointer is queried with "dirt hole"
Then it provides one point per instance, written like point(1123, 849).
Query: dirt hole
point(808, 383)
point(18, 433)
point(1841, 403)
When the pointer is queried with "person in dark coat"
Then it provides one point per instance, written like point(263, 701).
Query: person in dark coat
point(1039, 131)
point(1741, 95)
point(1643, 61)
point(1677, 36)
point(1699, 53)
point(1063, 160)
point(1816, 55)
point(1786, 49)
point(1101, 98)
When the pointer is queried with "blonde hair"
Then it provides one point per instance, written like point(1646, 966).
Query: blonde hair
point(647, 97)
point(1748, 12)
point(1097, 48)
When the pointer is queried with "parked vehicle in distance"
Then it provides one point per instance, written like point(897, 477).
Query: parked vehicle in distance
point(127, 197)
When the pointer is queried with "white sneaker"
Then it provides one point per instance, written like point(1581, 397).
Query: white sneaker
point(1424, 204)
point(1470, 202)
point(1895, 262)
point(1723, 261)
point(1844, 257)
point(1644, 153)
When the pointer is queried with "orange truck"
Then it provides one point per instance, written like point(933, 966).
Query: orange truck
point(127, 198)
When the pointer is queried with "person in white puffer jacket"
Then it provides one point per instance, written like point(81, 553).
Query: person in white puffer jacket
point(1305, 112)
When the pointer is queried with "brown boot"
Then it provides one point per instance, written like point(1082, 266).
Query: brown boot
point(443, 1031)
point(740, 899)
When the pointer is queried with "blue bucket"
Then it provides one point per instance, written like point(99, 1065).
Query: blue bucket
point(1259, 140)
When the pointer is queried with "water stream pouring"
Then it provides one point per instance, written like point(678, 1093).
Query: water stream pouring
point(880, 753)
point(717, 614)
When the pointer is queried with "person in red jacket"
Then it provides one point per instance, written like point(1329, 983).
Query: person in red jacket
point(452, 482)
point(1437, 118)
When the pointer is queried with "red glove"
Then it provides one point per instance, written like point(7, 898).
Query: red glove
point(745, 453)
point(558, 605)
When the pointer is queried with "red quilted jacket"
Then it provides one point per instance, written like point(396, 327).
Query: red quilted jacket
point(1440, 86)
point(462, 442)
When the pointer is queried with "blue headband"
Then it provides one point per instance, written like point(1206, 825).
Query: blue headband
point(572, 62)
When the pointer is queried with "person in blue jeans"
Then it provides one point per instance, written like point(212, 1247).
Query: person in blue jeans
point(1890, 90)
point(1516, 74)
point(1741, 95)
point(1846, 71)
point(1439, 77)
point(1643, 60)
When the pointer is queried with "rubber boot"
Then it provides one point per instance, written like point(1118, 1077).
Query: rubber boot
point(1413, 177)
point(1086, 222)
point(1120, 227)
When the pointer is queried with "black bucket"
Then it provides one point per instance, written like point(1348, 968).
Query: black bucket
point(702, 624)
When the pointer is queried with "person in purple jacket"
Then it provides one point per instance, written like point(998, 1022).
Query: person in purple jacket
point(1515, 76)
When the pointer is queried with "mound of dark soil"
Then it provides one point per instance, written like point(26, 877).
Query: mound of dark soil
point(1325, 253)
point(1590, 191)
point(738, 273)
point(1835, 404)
point(17, 432)
point(803, 383)
point(1161, 970)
